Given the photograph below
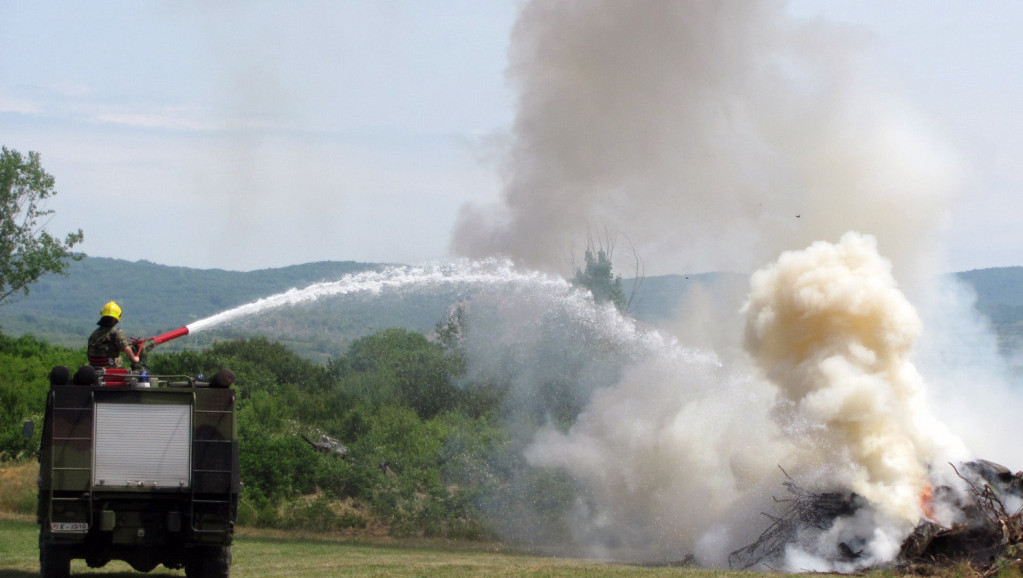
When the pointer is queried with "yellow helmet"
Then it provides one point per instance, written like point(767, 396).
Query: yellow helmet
point(111, 310)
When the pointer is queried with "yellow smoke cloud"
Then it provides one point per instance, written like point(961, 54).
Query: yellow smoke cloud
point(830, 328)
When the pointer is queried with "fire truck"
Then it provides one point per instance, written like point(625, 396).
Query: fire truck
point(141, 468)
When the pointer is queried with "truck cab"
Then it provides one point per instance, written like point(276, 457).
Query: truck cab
point(139, 468)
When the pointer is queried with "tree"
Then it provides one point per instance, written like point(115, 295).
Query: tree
point(599, 278)
point(27, 251)
point(404, 366)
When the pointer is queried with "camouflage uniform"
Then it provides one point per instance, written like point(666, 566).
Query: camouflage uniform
point(107, 343)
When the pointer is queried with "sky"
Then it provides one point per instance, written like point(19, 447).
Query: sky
point(247, 135)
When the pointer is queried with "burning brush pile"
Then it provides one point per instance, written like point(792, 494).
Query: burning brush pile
point(830, 328)
point(981, 522)
point(678, 457)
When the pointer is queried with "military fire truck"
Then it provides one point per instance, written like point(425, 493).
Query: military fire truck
point(138, 468)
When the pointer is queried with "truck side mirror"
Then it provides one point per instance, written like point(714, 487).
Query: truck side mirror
point(28, 428)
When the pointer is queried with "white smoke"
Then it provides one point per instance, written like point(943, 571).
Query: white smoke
point(715, 135)
point(673, 452)
point(676, 450)
point(830, 328)
point(974, 388)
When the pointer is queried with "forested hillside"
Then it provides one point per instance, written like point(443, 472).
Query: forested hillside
point(154, 298)
point(159, 298)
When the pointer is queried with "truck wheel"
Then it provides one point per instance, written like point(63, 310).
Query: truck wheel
point(209, 562)
point(54, 561)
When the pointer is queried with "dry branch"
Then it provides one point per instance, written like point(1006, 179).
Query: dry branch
point(805, 509)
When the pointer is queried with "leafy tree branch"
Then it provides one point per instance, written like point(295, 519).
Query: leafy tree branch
point(27, 250)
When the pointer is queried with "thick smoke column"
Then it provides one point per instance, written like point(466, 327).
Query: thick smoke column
point(830, 328)
point(679, 452)
point(672, 451)
point(714, 135)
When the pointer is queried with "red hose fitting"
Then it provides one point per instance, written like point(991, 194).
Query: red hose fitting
point(170, 335)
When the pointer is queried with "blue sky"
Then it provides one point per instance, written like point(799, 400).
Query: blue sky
point(959, 64)
point(267, 135)
point(244, 135)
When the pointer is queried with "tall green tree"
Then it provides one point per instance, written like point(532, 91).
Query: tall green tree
point(27, 251)
point(599, 278)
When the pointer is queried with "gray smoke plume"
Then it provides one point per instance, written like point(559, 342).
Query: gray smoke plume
point(713, 135)
point(717, 136)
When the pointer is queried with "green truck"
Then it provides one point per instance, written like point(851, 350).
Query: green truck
point(138, 468)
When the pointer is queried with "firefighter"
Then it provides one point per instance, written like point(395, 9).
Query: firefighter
point(107, 342)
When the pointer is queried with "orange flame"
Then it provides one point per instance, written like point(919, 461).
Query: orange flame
point(927, 503)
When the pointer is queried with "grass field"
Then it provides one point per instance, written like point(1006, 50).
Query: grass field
point(263, 553)
point(260, 553)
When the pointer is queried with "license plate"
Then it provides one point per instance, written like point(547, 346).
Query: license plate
point(72, 527)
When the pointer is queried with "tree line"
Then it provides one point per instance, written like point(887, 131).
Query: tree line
point(416, 450)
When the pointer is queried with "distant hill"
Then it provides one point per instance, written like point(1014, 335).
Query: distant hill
point(656, 299)
point(1000, 299)
point(158, 298)
point(154, 298)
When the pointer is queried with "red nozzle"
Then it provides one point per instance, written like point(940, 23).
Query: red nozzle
point(170, 335)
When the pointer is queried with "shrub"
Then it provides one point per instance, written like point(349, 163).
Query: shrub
point(398, 365)
point(18, 491)
point(322, 514)
point(27, 363)
point(317, 513)
point(278, 466)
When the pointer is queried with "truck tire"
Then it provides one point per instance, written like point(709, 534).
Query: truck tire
point(209, 562)
point(54, 561)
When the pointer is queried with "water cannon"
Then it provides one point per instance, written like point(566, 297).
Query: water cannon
point(179, 332)
point(157, 340)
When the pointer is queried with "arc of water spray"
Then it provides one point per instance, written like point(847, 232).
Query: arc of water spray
point(487, 272)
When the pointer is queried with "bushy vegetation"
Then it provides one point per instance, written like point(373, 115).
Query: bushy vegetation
point(423, 457)
point(26, 363)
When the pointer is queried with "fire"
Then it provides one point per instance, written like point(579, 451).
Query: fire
point(927, 502)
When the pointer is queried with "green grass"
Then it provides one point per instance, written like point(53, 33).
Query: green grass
point(266, 553)
point(259, 553)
